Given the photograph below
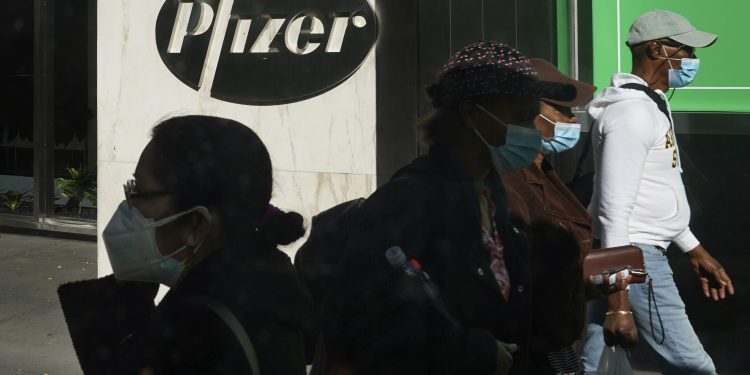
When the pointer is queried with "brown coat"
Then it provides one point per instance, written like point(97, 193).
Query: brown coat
point(537, 194)
point(560, 229)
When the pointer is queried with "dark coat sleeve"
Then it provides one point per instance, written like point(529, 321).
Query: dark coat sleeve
point(376, 329)
point(116, 329)
point(193, 339)
point(100, 313)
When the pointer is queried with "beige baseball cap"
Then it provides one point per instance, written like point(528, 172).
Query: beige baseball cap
point(659, 24)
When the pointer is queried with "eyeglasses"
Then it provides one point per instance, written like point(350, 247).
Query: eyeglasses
point(131, 193)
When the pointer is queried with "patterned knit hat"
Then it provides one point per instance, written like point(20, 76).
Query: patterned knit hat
point(487, 68)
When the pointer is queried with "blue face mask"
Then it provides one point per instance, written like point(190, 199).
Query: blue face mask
point(521, 146)
point(685, 75)
point(565, 137)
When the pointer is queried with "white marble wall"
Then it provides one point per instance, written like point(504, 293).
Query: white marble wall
point(323, 149)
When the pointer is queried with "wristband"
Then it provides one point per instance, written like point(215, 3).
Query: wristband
point(619, 312)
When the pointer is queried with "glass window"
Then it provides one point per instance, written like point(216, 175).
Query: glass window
point(48, 102)
point(74, 124)
point(17, 108)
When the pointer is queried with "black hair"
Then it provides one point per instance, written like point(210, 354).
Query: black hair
point(439, 126)
point(223, 165)
point(282, 228)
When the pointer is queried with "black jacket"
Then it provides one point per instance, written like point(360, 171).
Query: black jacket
point(116, 329)
point(430, 209)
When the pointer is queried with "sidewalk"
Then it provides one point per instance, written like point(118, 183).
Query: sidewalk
point(34, 338)
point(33, 335)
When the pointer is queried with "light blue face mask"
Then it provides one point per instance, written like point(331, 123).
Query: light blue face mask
point(685, 75)
point(521, 146)
point(565, 137)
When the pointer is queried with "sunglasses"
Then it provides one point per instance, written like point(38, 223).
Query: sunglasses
point(565, 111)
point(690, 50)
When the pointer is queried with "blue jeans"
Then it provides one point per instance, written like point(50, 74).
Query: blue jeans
point(681, 352)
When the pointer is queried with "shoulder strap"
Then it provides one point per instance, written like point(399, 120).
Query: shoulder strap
point(660, 102)
point(236, 327)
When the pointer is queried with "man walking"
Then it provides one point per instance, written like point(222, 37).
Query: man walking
point(639, 197)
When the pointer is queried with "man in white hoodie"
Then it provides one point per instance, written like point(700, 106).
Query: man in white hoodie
point(639, 197)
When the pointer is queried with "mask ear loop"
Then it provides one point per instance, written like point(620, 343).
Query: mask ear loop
point(664, 59)
point(670, 67)
point(185, 246)
point(493, 117)
point(481, 138)
point(209, 219)
point(170, 255)
point(668, 58)
point(548, 120)
point(194, 250)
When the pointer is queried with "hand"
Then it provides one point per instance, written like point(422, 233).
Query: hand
point(713, 278)
point(505, 357)
point(604, 289)
point(620, 330)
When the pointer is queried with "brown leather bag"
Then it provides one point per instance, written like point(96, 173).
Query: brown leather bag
point(614, 259)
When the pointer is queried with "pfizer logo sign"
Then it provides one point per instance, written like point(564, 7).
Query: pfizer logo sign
point(264, 52)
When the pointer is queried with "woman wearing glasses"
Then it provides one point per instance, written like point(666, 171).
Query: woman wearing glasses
point(197, 219)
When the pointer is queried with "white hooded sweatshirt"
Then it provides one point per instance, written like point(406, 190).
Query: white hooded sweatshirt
point(638, 192)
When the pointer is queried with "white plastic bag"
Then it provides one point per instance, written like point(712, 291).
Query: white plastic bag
point(614, 361)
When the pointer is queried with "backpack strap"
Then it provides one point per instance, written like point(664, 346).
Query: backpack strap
point(660, 102)
point(235, 326)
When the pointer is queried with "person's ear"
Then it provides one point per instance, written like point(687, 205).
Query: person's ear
point(654, 50)
point(199, 227)
point(468, 114)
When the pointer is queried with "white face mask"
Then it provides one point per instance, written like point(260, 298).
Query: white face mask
point(130, 240)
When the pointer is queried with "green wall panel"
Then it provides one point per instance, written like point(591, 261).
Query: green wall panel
point(563, 37)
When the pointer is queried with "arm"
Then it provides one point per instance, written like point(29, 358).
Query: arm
point(712, 276)
point(619, 326)
point(190, 338)
point(686, 240)
point(116, 329)
point(100, 313)
point(627, 135)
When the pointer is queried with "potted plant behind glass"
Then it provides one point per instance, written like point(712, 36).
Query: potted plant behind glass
point(79, 185)
point(14, 200)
